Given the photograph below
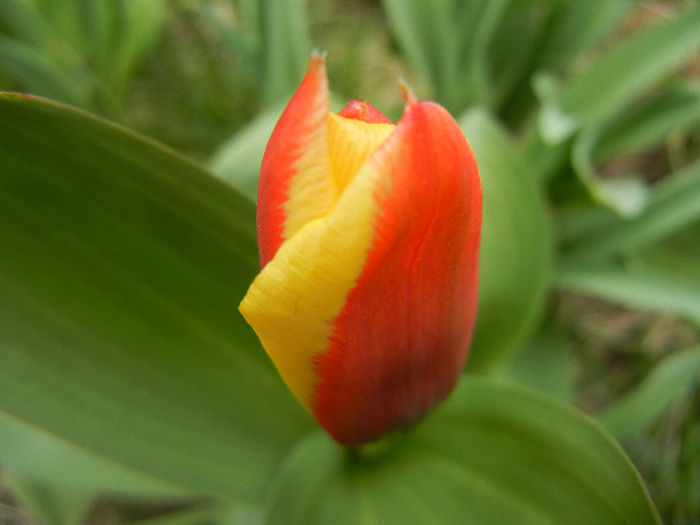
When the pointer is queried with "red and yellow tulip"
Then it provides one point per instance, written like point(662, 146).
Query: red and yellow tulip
point(369, 240)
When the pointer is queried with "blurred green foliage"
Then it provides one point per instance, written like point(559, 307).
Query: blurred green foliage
point(585, 118)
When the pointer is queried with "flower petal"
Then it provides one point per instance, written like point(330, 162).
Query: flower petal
point(363, 110)
point(296, 183)
point(399, 343)
point(367, 296)
point(296, 296)
point(350, 144)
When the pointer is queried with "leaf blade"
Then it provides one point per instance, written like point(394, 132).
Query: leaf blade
point(648, 400)
point(510, 453)
point(515, 258)
point(120, 288)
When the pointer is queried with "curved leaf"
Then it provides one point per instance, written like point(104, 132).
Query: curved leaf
point(492, 454)
point(644, 289)
point(122, 266)
point(674, 376)
point(621, 75)
point(673, 204)
point(29, 451)
point(516, 254)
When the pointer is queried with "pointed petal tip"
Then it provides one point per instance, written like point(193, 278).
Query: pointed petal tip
point(317, 60)
point(364, 111)
point(407, 93)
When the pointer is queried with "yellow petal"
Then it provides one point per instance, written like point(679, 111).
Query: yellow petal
point(350, 143)
point(302, 289)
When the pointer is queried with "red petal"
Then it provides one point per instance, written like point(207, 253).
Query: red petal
point(363, 110)
point(303, 117)
point(400, 342)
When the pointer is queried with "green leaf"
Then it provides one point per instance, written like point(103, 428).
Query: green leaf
point(511, 55)
point(669, 380)
point(37, 73)
point(627, 194)
point(677, 255)
point(647, 290)
point(651, 123)
point(136, 35)
point(65, 21)
point(36, 454)
point(573, 28)
point(52, 504)
point(492, 454)
point(206, 514)
point(410, 22)
point(447, 44)
point(623, 74)
point(515, 255)
point(546, 364)
point(24, 21)
point(546, 36)
point(285, 47)
point(122, 268)
point(672, 205)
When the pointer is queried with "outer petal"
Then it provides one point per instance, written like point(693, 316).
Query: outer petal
point(295, 178)
point(294, 299)
point(400, 342)
point(368, 311)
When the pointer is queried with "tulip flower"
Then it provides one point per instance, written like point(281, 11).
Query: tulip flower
point(368, 235)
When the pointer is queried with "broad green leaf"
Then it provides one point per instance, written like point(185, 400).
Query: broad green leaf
point(515, 245)
point(238, 159)
point(36, 454)
point(647, 290)
point(122, 268)
point(673, 204)
point(622, 75)
point(545, 364)
point(492, 454)
point(670, 379)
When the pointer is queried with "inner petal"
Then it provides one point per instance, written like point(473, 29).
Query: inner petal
point(350, 143)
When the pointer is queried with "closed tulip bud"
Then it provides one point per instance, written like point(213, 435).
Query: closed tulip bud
point(368, 235)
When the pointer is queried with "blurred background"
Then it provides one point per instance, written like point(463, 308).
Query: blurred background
point(598, 101)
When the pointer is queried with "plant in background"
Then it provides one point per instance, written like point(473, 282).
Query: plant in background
point(83, 53)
